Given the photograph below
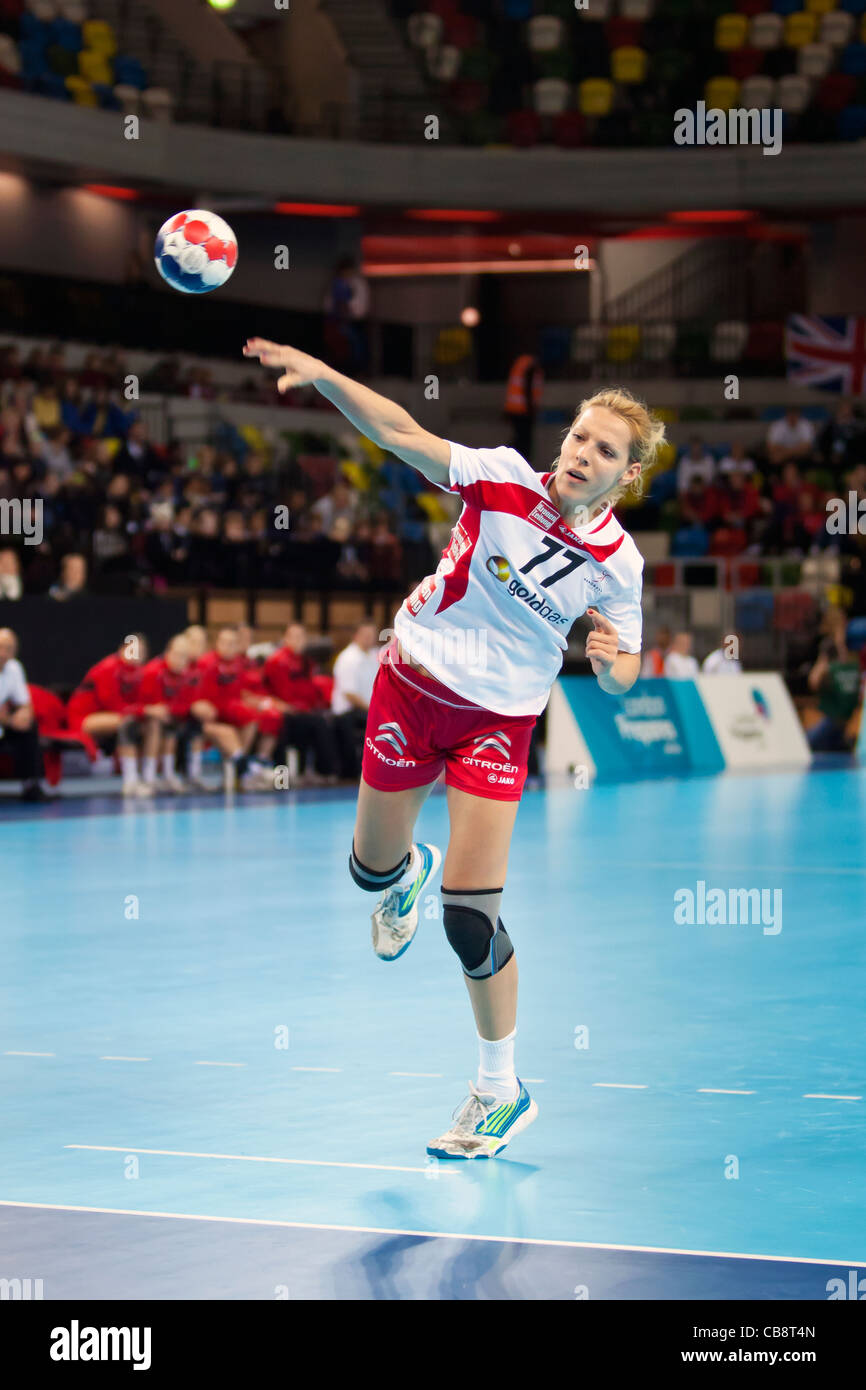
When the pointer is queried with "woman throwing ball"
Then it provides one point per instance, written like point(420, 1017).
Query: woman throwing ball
point(478, 646)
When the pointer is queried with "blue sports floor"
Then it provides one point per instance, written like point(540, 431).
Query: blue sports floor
point(211, 1088)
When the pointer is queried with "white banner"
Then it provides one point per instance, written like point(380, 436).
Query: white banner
point(565, 747)
point(754, 720)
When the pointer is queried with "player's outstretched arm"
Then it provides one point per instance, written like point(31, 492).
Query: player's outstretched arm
point(383, 421)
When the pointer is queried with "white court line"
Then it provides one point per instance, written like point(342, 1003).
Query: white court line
point(818, 1095)
point(125, 1059)
point(29, 1054)
point(219, 1064)
point(317, 1068)
point(620, 1086)
point(442, 1235)
point(749, 868)
point(415, 1073)
point(246, 1158)
point(717, 1091)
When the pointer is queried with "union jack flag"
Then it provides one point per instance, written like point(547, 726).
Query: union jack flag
point(829, 353)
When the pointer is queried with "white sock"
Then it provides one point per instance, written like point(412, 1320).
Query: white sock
point(411, 871)
point(194, 762)
point(168, 764)
point(148, 769)
point(129, 769)
point(496, 1074)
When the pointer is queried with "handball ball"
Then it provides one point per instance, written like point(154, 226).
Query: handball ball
point(195, 251)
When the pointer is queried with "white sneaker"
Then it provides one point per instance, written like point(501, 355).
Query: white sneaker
point(258, 779)
point(484, 1126)
point(230, 776)
point(144, 789)
point(395, 919)
point(198, 784)
point(174, 784)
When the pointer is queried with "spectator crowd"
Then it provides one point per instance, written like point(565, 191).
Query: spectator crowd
point(122, 515)
point(770, 499)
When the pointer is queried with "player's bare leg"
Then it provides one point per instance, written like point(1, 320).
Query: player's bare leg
point(498, 1106)
point(153, 726)
point(477, 858)
point(103, 723)
point(385, 858)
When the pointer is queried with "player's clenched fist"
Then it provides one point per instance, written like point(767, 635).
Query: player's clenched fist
point(301, 368)
point(602, 644)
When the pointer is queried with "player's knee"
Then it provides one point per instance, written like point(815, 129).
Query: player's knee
point(374, 880)
point(475, 932)
point(129, 731)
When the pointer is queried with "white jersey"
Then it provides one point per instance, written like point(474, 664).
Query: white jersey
point(492, 623)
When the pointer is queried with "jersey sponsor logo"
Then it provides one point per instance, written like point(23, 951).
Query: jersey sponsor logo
point(498, 566)
point(544, 515)
point(416, 600)
point(393, 734)
point(392, 762)
point(484, 762)
point(498, 741)
point(460, 542)
point(491, 777)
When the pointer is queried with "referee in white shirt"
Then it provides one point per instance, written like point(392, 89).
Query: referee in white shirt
point(354, 673)
point(18, 733)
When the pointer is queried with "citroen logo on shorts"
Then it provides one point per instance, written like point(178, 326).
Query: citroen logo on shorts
point(393, 734)
point(498, 741)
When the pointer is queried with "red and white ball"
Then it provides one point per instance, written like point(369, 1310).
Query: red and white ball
point(195, 251)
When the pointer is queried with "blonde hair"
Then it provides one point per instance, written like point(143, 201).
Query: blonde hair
point(647, 433)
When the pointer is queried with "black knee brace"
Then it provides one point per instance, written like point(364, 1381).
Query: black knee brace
point(482, 947)
point(371, 880)
point(129, 731)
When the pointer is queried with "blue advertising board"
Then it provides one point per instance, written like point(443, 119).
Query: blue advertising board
point(660, 727)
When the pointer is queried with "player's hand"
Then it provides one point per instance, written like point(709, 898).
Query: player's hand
point(301, 368)
point(602, 644)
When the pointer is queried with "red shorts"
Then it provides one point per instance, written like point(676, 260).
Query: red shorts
point(78, 709)
point(238, 713)
point(416, 726)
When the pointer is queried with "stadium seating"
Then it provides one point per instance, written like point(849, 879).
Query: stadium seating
point(610, 63)
point(59, 51)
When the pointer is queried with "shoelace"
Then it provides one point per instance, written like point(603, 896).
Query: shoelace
point(469, 1114)
point(390, 908)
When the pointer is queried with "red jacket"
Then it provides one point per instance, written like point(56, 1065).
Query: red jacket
point(221, 681)
point(113, 684)
point(162, 686)
point(288, 676)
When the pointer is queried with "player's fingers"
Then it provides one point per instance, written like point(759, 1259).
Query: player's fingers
point(269, 354)
point(254, 345)
point(287, 381)
point(601, 623)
